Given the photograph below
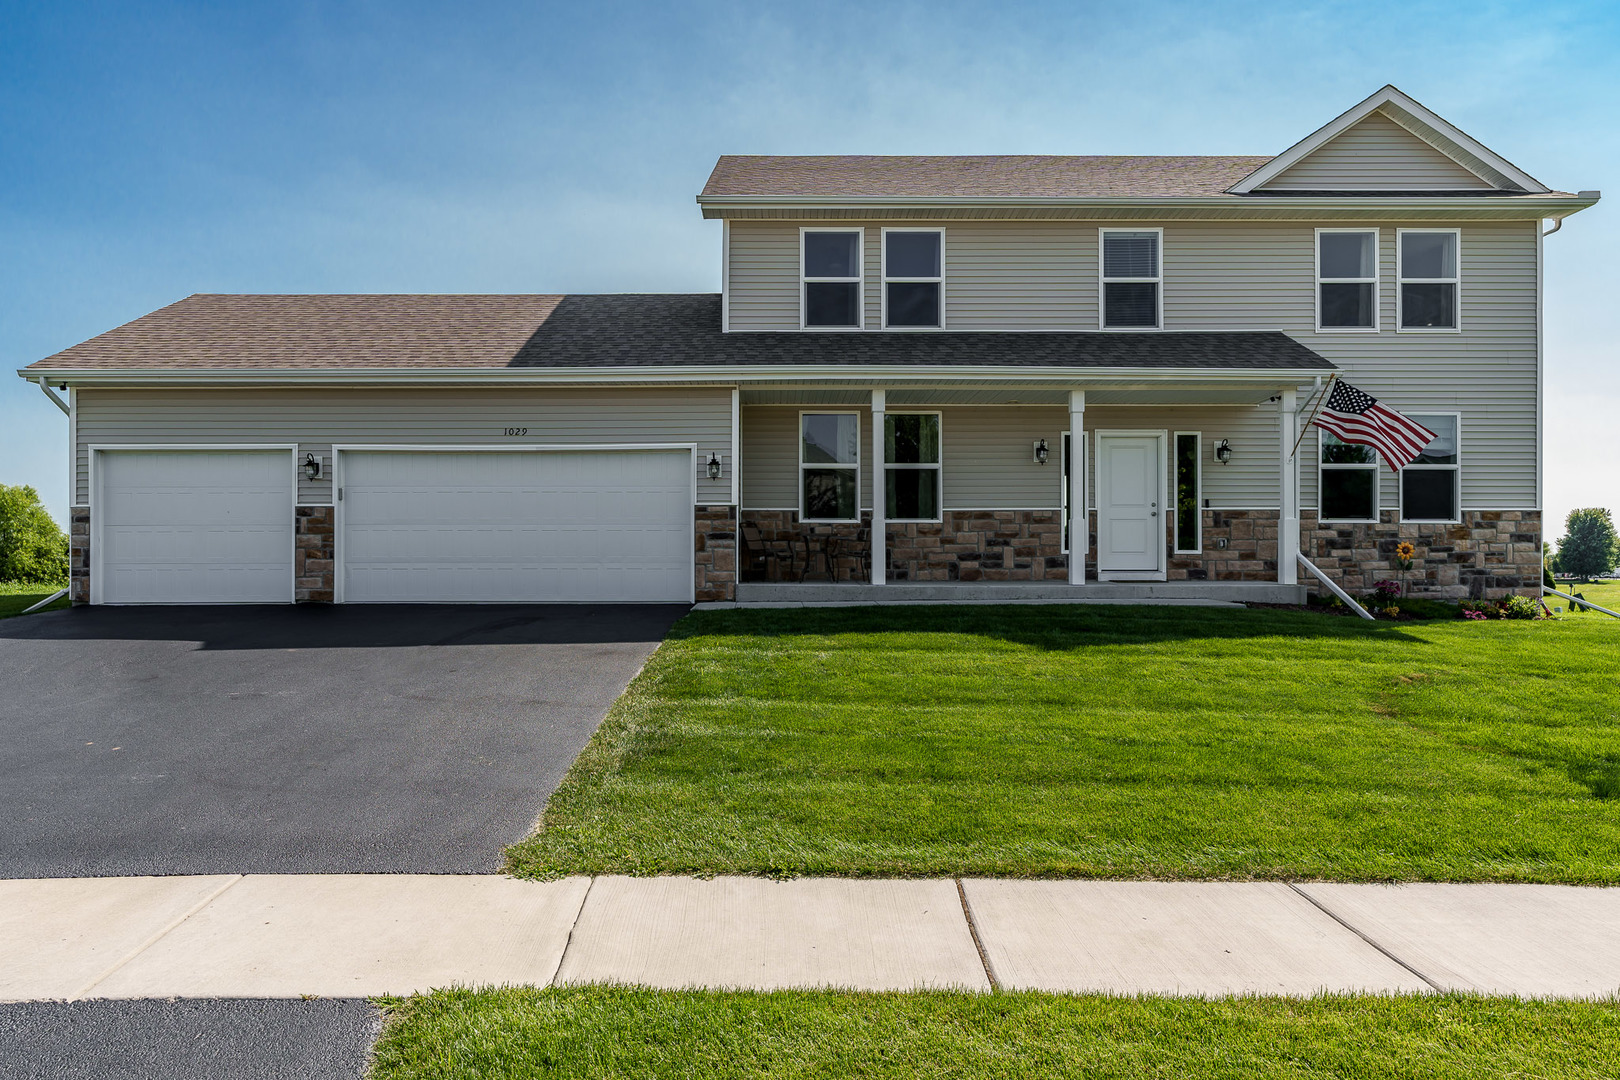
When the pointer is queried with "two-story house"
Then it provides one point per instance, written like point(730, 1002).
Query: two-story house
point(917, 372)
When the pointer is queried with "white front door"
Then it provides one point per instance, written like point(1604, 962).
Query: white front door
point(515, 526)
point(1130, 497)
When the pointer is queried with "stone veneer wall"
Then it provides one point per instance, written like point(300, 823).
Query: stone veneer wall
point(716, 555)
point(79, 554)
point(314, 554)
point(1488, 555)
point(968, 545)
point(1250, 553)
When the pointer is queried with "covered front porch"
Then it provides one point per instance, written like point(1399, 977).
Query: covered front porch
point(963, 489)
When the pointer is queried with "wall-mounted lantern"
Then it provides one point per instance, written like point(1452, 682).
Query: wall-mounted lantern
point(1041, 452)
point(1223, 452)
point(714, 465)
point(312, 466)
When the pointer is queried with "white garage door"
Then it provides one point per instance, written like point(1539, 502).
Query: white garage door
point(502, 526)
point(193, 527)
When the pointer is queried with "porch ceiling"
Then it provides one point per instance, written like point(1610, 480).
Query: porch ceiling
point(1190, 392)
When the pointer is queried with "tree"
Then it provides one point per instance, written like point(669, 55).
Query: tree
point(1589, 547)
point(33, 549)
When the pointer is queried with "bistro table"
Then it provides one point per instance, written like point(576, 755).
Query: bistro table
point(818, 541)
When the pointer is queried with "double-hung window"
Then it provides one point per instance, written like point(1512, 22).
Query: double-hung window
point(1131, 279)
point(914, 278)
point(1428, 283)
point(1430, 484)
point(830, 267)
point(911, 466)
point(1347, 481)
point(829, 466)
point(1347, 279)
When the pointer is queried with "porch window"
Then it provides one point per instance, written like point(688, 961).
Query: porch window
point(1347, 481)
point(913, 278)
point(1131, 279)
point(829, 466)
point(1347, 279)
point(831, 271)
point(911, 466)
point(1428, 287)
point(1430, 484)
point(1189, 516)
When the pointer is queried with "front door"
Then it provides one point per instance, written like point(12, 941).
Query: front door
point(1130, 497)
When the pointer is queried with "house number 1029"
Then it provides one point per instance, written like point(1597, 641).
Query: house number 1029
point(515, 431)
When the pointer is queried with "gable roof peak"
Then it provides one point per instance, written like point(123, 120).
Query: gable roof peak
point(1417, 119)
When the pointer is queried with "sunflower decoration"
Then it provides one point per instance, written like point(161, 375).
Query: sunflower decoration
point(1403, 554)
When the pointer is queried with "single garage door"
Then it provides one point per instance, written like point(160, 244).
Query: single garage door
point(193, 527)
point(516, 526)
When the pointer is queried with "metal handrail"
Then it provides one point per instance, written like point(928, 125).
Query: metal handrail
point(1331, 584)
point(1578, 600)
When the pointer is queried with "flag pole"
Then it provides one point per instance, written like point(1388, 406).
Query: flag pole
point(1320, 398)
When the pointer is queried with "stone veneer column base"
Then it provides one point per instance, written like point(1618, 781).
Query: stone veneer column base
point(1488, 555)
point(716, 555)
point(314, 554)
point(79, 554)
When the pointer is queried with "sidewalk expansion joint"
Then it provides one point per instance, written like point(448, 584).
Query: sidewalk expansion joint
point(1330, 913)
point(84, 991)
point(573, 926)
point(978, 942)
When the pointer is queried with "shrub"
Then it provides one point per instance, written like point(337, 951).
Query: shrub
point(1518, 607)
point(1390, 612)
point(33, 549)
point(1386, 591)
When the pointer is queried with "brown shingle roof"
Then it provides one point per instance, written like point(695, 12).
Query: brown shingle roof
point(1021, 176)
point(580, 332)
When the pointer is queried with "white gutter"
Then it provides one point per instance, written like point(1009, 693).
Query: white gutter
point(1541, 204)
point(707, 374)
point(45, 386)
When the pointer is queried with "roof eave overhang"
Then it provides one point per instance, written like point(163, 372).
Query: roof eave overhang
point(1217, 206)
point(711, 375)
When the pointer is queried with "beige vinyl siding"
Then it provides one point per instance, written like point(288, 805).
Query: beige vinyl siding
point(987, 459)
point(315, 419)
point(1376, 154)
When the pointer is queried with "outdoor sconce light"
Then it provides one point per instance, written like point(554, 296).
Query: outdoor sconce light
point(1223, 452)
point(1041, 452)
point(312, 466)
point(714, 466)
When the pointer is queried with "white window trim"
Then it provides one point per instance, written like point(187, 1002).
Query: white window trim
point(883, 241)
point(938, 467)
point(1103, 281)
point(1455, 282)
point(1377, 291)
point(859, 280)
point(803, 465)
point(1400, 483)
point(1198, 494)
point(1373, 467)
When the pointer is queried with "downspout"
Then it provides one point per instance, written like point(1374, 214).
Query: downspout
point(60, 404)
point(1558, 223)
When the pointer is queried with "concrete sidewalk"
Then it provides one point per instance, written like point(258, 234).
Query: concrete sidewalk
point(362, 935)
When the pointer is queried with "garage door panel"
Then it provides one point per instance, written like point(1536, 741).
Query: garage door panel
point(194, 527)
point(517, 526)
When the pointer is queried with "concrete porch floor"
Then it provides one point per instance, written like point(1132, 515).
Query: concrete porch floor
point(1190, 593)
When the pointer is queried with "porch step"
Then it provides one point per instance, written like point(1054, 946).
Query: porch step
point(998, 592)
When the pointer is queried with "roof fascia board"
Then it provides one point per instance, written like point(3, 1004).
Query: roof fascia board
point(715, 375)
point(1389, 95)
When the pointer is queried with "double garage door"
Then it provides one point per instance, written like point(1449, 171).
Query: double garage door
point(412, 526)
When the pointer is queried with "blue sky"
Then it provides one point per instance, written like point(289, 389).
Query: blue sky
point(152, 151)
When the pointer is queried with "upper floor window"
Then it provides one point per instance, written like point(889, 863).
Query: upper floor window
point(1131, 279)
point(831, 272)
point(1347, 279)
point(913, 278)
point(1428, 289)
point(1430, 483)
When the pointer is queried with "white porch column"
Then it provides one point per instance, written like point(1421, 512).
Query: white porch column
point(1079, 520)
point(1288, 520)
point(880, 533)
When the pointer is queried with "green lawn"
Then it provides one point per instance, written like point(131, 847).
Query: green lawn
point(1604, 594)
point(613, 1032)
point(1103, 742)
point(16, 598)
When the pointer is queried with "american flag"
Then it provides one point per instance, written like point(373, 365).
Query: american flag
point(1356, 417)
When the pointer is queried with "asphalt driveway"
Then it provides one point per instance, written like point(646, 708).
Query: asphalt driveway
point(386, 739)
